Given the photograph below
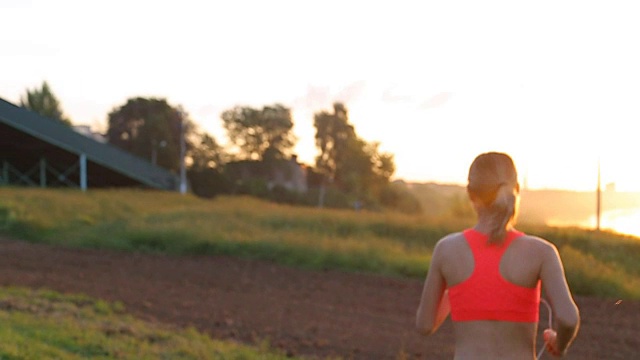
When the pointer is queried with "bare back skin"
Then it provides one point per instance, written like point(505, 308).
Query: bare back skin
point(526, 260)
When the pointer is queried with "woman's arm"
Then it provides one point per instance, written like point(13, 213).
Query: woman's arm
point(565, 312)
point(434, 305)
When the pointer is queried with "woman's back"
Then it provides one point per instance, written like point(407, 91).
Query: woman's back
point(520, 265)
point(494, 340)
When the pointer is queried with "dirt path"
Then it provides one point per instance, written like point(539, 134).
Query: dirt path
point(305, 313)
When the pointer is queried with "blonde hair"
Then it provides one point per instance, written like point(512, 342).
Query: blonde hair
point(493, 181)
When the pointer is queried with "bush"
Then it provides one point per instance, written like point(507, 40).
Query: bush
point(398, 197)
point(208, 183)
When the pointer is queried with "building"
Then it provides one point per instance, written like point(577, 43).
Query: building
point(38, 151)
point(289, 174)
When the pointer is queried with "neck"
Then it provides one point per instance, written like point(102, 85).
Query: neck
point(485, 224)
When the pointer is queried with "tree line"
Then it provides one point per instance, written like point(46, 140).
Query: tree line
point(348, 170)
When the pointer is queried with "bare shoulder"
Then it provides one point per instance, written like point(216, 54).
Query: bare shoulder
point(451, 239)
point(537, 244)
point(451, 242)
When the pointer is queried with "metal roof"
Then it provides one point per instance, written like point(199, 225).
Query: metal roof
point(26, 137)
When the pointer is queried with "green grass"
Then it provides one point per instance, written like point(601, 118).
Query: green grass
point(600, 264)
point(49, 325)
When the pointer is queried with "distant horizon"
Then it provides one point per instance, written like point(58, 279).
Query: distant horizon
point(463, 185)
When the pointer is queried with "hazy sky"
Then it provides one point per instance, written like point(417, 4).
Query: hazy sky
point(554, 83)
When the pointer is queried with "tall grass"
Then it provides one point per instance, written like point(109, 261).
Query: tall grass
point(598, 263)
point(49, 325)
point(602, 264)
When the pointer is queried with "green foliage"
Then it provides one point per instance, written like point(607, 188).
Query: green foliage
point(49, 325)
point(255, 187)
point(590, 275)
point(597, 263)
point(260, 134)
point(208, 182)
point(151, 129)
point(45, 103)
point(6, 217)
point(398, 197)
point(346, 161)
point(333, 134)
point(207, 154)
point(282, 195)
point(329, 197)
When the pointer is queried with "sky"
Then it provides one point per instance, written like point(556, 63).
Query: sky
point(555, 84)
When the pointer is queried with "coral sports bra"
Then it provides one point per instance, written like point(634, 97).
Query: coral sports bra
point(486, 295)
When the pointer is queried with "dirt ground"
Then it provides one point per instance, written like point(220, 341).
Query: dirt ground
point(321, 313)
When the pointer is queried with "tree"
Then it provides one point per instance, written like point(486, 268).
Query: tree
point(45, 103)
point(206, 166)
point(152, 129)
point(398, 196)
point(347, 161)
point(260, 134)
point(205, 173)
point(383, 164)
point(333, 135)
point(207, 154)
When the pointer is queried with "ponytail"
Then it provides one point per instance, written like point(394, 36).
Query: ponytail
point(503, 211)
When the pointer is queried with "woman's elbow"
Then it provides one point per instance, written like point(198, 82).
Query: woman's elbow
point(424, 327)
point(569, 319)
point(425, 331)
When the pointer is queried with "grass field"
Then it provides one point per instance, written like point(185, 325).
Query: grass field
point(48, 325)
point(598, 264)
point(601, 264)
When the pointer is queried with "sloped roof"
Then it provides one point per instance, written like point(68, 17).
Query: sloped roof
point(27, 136)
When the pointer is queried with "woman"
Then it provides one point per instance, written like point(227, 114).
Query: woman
point(489, 277)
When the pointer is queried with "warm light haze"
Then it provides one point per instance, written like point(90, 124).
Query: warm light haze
point(554, 84)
